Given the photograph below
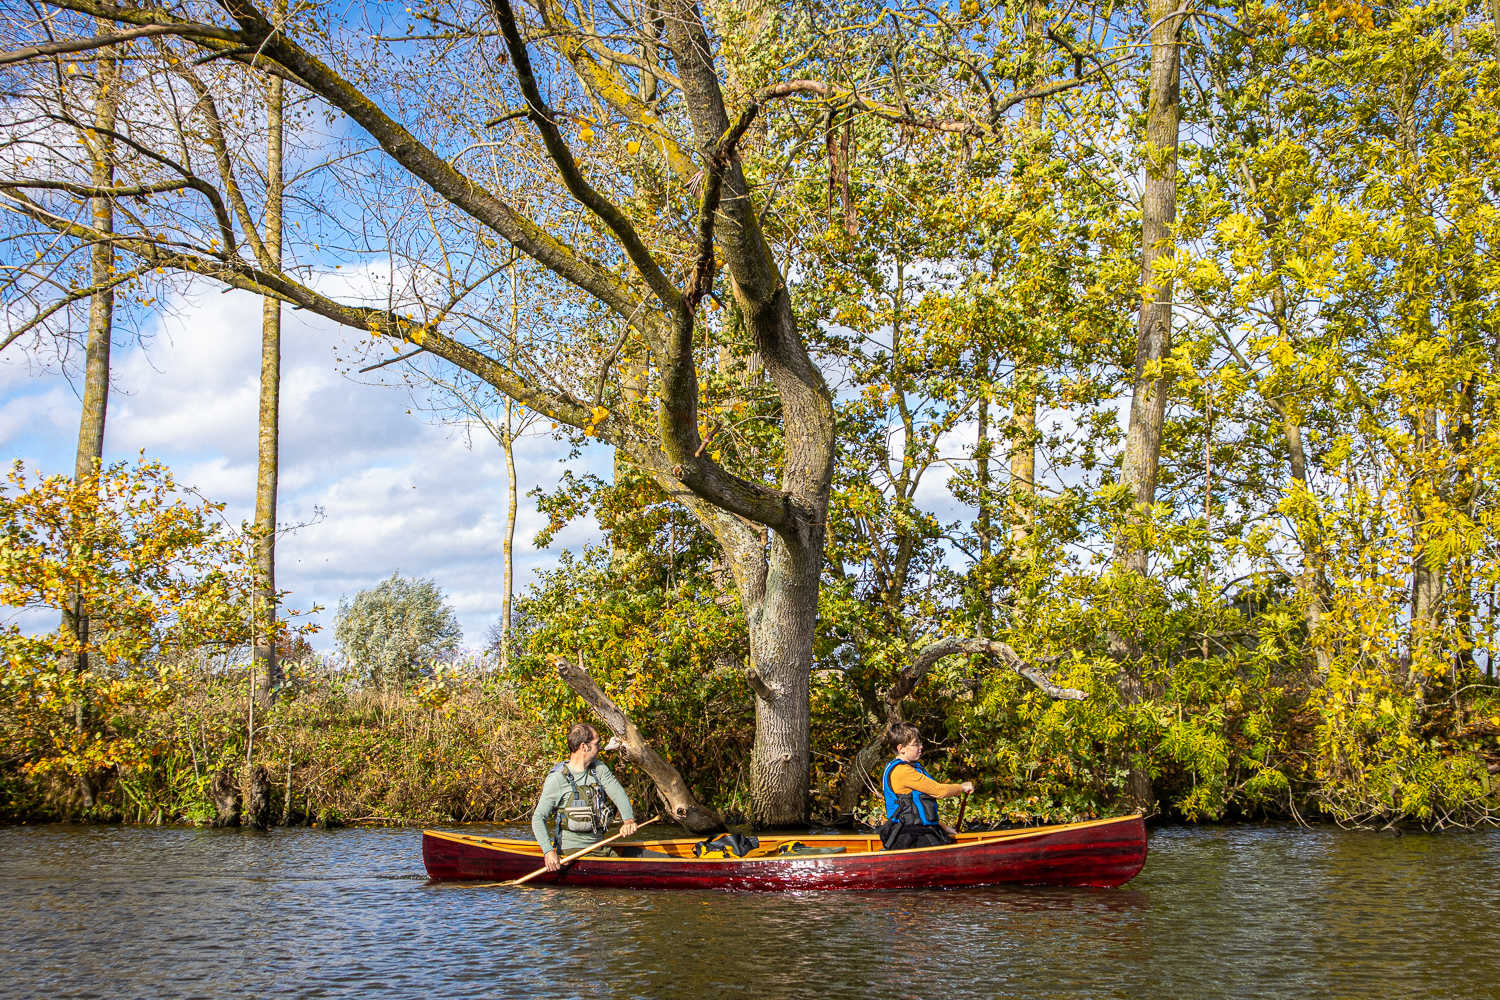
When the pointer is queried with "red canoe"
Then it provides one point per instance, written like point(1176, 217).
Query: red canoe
point(1104, 852)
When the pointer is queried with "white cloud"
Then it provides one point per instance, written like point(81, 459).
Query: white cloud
point(396, 493)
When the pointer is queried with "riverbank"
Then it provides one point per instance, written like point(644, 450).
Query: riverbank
point(473, 745)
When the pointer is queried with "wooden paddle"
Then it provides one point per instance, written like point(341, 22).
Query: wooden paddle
point(575, 855)
point(962, 805)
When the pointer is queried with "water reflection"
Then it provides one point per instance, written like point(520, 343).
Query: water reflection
point(1233, 912)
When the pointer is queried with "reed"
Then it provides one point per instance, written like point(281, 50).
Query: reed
point(337, 753)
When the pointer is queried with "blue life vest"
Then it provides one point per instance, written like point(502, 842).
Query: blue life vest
point(912, 808)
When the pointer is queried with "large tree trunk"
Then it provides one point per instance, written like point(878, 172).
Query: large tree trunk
point(90, 453)
point(778, 585)
point(1154, 332)
point(268, 452)
point(781, 629)
point(682, 806)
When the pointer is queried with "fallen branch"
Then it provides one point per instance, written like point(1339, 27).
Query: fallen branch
point(910, 676)
point(681, 804)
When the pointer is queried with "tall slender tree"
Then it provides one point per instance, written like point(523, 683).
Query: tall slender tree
point(1154, 337)
point(268, 466)
point(100, 145)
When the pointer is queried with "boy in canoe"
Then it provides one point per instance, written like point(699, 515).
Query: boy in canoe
point(911, 795)
point(576, 801)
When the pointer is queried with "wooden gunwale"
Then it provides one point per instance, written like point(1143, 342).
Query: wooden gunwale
point(530, 847)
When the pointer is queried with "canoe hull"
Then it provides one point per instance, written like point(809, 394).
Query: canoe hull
point(1101, 853)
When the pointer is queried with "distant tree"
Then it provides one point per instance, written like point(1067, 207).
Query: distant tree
point(387, 630)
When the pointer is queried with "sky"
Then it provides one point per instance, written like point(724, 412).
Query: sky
point(396, 492)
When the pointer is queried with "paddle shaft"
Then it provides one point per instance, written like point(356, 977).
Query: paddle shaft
point(962, 805)
point(578, 854)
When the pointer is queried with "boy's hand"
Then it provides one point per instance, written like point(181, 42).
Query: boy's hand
point(968, 787)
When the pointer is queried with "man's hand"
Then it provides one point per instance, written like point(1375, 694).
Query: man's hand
point(627, 827)
point(550, 860)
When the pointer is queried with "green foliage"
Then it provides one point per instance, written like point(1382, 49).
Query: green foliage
point(339, 752)
point(1316, 629)
point(668, 656)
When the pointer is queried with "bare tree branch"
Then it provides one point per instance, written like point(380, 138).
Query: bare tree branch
point(100, 41)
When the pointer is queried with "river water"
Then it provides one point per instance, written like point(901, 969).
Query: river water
point(1239, 911)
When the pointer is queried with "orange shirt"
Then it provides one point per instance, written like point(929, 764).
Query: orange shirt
point(904, 779)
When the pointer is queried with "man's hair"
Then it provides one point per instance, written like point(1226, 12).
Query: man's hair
point(901, 734)
point(580, 734)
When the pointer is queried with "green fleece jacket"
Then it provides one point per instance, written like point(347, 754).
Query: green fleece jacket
point(556, 794)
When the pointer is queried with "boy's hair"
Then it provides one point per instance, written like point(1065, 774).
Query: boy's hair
point(580, 734)
point(901, 734)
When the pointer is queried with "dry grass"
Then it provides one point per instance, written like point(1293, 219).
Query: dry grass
point(336, 753)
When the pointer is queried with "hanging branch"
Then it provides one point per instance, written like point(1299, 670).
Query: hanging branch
point(681, 804)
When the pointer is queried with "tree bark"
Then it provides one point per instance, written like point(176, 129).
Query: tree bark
point(509, 445)
point(1427, 572)
point(984, 524)
point(683, 807)
point(225, 794)
point(102, 267)
point(507, 439)
point(1023, 378)
point(1022, 454)
point(90, 452)
point(778, 584)
point(1154, 333)
point(268, 451)
point(1154, 328)
point(258, 798)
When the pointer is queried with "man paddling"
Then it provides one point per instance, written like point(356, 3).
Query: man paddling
point(911, 795)
point(575, 808)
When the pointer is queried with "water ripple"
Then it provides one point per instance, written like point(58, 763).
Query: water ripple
point(1253, 912)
